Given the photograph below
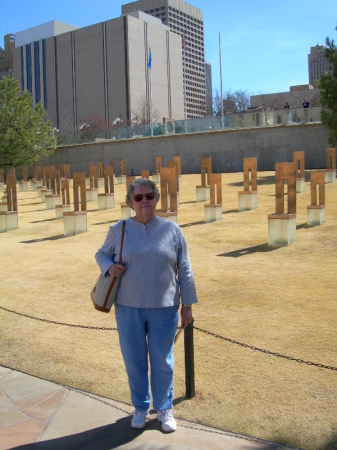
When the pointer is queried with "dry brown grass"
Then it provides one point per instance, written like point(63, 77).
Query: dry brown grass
point(278, 299)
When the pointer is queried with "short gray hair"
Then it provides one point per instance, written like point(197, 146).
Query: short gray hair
point(141, 182)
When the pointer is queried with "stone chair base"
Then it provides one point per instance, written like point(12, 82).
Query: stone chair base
point(213, 213)
point(121, 179)
point(36, 184)
point(75, 222)
point(281, 229)
point(127, 212)
point(330, 176)
point(315, 215)
point(247, 200)
point(52, 201)
point(91, 194)
point(169, 215)
point(8, 221)
point(3, 206)
point(106, 201)
point(23, 186)
point(300, 185)
point(45, 192)
point(203, 193)
point(60, 209)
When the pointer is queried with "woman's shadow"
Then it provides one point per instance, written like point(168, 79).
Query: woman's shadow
point(103, 438)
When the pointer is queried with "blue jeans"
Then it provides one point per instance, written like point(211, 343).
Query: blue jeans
point(160, 324)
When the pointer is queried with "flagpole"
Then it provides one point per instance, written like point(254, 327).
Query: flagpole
point(222, 121)
point(150, 67)
point(185, 106)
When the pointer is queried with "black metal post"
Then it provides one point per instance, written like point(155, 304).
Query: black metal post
point(189, 360)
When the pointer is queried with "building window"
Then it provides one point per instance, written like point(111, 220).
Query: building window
point(44, 73)
point(22, 74)
point(37, 72)
point(29, 67)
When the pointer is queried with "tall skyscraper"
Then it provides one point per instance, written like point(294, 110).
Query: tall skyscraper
point(182, 17)
point(6, 56)
point(209, 90)
point(318, 65)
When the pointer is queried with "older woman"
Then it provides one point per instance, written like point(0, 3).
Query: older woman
point(155, 273)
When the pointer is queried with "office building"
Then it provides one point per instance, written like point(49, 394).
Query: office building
point(318, 65)
point(295, 97)
point(209, 90)
point(6, 56)
point(100, 69)
point(182, 18)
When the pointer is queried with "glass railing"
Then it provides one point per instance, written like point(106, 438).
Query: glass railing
point(249, 119)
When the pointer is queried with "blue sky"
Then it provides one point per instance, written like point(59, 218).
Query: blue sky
point(264, 44)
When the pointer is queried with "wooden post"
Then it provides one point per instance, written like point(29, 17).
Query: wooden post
point(189, 360)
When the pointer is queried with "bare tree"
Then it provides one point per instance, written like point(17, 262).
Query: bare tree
point(142, 113)
point(233, 102)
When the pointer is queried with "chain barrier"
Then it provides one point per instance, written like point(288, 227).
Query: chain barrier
point(87, 327)
point(267, 352)
point(218, 336)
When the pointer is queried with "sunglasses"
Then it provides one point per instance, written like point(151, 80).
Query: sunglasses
point(139, 197)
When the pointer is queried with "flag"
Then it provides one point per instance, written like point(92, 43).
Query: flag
point(150, 61)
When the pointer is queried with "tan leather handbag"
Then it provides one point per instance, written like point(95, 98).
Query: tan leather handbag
point(105, 290)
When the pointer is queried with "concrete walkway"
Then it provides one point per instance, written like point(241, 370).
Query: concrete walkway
point(38, 414)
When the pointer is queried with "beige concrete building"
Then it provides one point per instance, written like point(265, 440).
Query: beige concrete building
point(101, 69)
point(301, 87)
point(318, 65)
point(182, 18)
point(6, 56)
point(294, 97)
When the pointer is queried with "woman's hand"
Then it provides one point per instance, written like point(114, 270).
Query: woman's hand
point(186, 316)
point(117, 270)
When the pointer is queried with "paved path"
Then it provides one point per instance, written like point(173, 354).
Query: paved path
point(38, 414)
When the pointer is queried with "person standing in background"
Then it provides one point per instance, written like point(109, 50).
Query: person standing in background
point(306, 106)
point(287, 111)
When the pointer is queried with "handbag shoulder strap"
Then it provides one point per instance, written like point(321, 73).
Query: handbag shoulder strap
point(122, 242)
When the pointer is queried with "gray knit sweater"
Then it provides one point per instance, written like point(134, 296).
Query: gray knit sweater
point(154, 254)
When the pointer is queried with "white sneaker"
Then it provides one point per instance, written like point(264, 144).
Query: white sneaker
point(139, 418)
point(167, 420)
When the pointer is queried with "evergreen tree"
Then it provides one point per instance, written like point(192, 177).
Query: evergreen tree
point(24, 136)
point(328, 92)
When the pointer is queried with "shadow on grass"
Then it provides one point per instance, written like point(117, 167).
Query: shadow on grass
point(50, 238)
point(303, 225)
point(178, 400)
point(230, 211)
point(46, 220)
point(102, 438)
point(262, 248)
point(104, 223)
point(185, 225)
point(34, 211)
point(37, 203)
point(331, 444)
point(185, 203)
point(28, 198)
point(267, 180)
